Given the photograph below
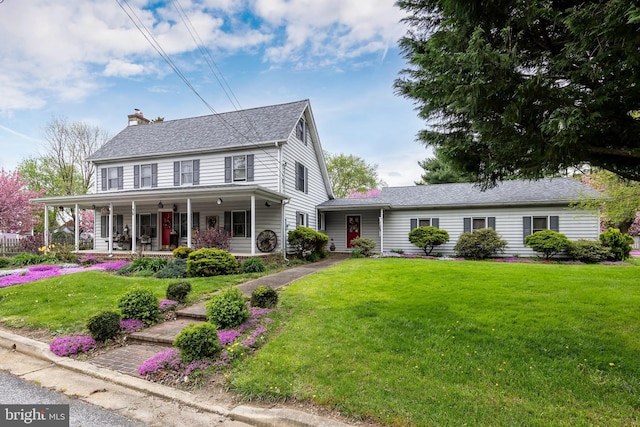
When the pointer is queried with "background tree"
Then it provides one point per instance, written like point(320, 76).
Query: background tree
point(351, 174)
point(17, 213)
point(525, 88)
point(440, 170)
point(622, 202)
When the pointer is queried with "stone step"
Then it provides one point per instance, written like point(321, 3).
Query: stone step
point(195, 311)
point(163, 333)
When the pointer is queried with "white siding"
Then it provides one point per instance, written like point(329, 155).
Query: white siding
point(575, 224)
point(336, 227)
point(211, 169)
point(296, 151)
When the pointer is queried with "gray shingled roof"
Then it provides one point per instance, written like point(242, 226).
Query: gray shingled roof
point(212, 132)
point(545, 191)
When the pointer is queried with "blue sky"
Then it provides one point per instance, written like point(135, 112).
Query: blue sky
point(84, 60)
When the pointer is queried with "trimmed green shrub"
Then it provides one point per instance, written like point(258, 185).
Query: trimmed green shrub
point(618, 243)
point(104, 325)
point(589, 251)
point(178, 291)
point(304, 240)
point(428, 237)
point(264, 297)
point(197, 341)
point(140, 304)
point(207, 262)
point(253, 265)
point(182, 252)
point(547, 242)
point(479, 244)
point(365, 245)
point(176, 269)
point(227, 309)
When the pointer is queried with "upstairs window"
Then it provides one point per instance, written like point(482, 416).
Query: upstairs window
point(301, 131)
point(186, 172)
point(238, 168)
point(145, 176)
point(112, 178)
point(302, 178)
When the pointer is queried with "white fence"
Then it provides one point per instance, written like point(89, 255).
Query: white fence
point(9, 246)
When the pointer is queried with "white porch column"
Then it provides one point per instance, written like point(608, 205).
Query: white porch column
point(134, 229)
point(46, 225)
point(381, 221)
point(253, 224)
point(110, 245)
point(189, 225)
point(76, 227)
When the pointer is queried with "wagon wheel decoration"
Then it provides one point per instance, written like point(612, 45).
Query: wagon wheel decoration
point(267, 241)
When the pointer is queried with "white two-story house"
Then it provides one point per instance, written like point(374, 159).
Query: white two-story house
point(255, 173)
point(259, 173)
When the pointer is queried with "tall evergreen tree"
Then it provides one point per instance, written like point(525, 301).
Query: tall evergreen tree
point(526, 87)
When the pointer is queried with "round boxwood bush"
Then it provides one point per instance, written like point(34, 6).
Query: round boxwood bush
point(253, 265)
point(227, 309)
point(618, 243)
point(211, 262)
point(104, 325)
point(547, 242)
point(140, 304)
point(479, 244)
point(197, 341)
point(264, 297)
point(428, 237)
point(178, 291)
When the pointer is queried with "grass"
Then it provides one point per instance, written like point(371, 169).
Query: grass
point(432, 343)
point(62, 304)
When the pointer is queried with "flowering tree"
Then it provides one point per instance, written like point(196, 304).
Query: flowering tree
point(17, 213)
point(634, 229)
point(368, 194)
point(87, 221)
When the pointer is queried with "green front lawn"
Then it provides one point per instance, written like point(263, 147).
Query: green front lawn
point(430, 343)
point(62, 304)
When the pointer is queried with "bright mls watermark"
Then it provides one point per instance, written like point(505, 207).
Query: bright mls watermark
point(34, 415)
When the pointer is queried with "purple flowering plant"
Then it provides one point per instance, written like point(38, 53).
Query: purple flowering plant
point(236, 342)
point(45, 271)
point(71, 344)
point(167, 304)
point(129, 326)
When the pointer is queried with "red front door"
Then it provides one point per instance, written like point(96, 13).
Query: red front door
point(353, 228)
point(167, 226)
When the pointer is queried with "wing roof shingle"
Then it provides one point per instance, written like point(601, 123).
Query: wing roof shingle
point(212, 132)
point(520, 192)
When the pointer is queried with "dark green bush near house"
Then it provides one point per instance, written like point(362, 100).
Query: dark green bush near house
point(176, 269)
point(589, 251)
point(104, 325)
point(207, 262)
point(428, 237)
point(264, 297)
point(253, 265)
point(304, 240)
point(178, 291)
point(197, 341)
point(5, 262)
point(140, 304)
point(182, 252)
point(479, 244)
point(312, 257)
point(227, 309)
point(365, 245)
point(618, 243)
point(547, 242)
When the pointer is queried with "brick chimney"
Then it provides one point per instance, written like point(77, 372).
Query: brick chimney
point(137, 118)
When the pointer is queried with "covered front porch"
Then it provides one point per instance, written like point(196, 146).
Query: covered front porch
point(158, 220)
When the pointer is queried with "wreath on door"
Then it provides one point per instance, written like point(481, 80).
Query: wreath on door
point(166, 223)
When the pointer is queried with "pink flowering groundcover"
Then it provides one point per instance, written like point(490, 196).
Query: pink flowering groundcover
point(38, 272)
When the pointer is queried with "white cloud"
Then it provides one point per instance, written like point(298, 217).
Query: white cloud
point(120, 68)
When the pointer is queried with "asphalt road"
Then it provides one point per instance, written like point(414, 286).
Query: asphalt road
point(14, 390)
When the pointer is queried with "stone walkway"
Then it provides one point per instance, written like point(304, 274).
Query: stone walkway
point(146, 343)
